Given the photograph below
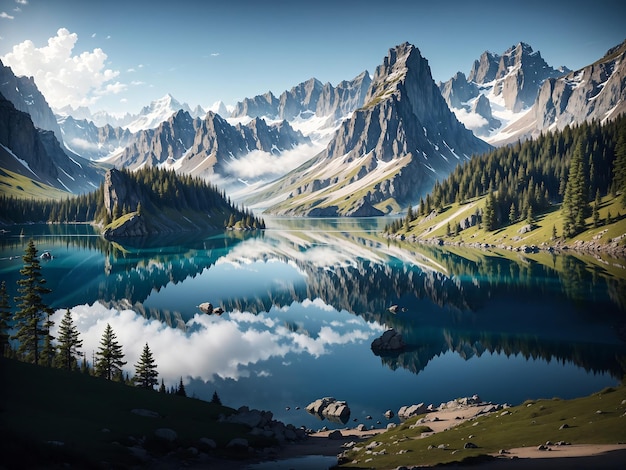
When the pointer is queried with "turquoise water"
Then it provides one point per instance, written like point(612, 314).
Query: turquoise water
point(304, 299)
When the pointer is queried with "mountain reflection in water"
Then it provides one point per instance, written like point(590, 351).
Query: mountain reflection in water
point(320, 290)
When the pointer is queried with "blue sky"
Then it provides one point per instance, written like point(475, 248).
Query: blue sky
point(119, 55)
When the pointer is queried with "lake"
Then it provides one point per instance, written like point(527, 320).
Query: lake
point(304, 299)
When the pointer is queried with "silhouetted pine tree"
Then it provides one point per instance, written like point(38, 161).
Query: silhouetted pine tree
point(109, 356)
point(69, 343)
point(181, 389)
point(32, 310)
point(146, 370)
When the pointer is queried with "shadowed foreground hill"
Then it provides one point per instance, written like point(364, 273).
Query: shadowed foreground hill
point(51, 418)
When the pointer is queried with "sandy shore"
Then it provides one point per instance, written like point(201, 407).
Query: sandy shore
point(585, 456)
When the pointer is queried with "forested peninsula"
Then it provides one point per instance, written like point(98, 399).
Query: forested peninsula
point(140, 203)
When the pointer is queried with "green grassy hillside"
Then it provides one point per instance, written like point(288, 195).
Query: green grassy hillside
point(597, 419)
point(12, 184)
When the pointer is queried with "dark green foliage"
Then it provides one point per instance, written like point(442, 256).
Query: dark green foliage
point(162, 387)
point(181, 389)
point(69, 343)
point(576, 199)
point(32, 311)
point(109, 356)
point(619, 169)
point(5, 316)
point(216, 399)
point(160, 189)
point(146, 370)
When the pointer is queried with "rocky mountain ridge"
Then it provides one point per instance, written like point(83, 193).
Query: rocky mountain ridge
point(505, 85)
point(37, 154)
point(388, 153)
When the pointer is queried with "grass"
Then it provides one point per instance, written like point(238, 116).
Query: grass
point(596, 419)
point(92, 418)
point(18, 186)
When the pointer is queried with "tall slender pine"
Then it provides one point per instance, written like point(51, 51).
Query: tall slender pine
point(146, 374)
point(69, 343)
point(32, 311)
point(5, 316)
point(109, 357)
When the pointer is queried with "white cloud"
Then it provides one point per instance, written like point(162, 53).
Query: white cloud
point(215, 54)
point(472, 121)
point(262, 164)
point(64, 78)
point(93, 35)
point(22, 2)
point(209, 345)
point(6, 16)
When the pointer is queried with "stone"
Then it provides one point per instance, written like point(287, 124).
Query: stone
point(238, 442)
point(361, 427)
point(390, 340)
point(206, 442)
point(335, 435)
point(206, 307)
point(406, 412)
point(145, 413)
point(389, 414)
point(330, 407)
point(470, 445)
point(564, 426)
point(166, 434)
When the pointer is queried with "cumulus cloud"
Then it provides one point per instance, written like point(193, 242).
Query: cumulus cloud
point(211, 346)
point(64, 78)
point(6, 16)
point(258, 164)
point(472, 121)
point(22, 2)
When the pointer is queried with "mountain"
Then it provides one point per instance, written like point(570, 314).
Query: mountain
point(156, 112)
point(26, 97)
point(386, 155)
point(307, 99)
point(204, 147)
point(498, 90)
point(595, 92)
point(84, 138)
point(37, 154)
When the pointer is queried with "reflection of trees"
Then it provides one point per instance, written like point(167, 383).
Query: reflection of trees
point(592, 357)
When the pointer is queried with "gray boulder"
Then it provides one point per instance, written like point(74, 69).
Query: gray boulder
point(166, 434)
point(407, 412)
point(329, 407)
point(390, 340)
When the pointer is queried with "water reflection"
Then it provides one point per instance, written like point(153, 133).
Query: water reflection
point(310, 295)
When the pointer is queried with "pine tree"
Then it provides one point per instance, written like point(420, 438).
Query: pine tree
point(146, 370)
point(489, 216)
point(512, 213)
point(181, 389)
point(5, 316)
point(575, 200)
point(49, 350)
point(596, 209)
point(619, 167)
point(109, 356)
point(216, 399)
point(32, 310)
point(69, 343)
point(162, 387)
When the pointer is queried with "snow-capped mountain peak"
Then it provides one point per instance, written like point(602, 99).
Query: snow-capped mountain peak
point(157, 112)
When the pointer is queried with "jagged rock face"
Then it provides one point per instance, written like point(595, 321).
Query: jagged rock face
point(307, 99)
point(597, 91)
point(458, 90)
point(393, 148)
point(484, 69)
point(41, 151)
point(482, 107)
point(522, 72)
point(168, 142)
point(26, 97)
point(119, 191)
point(84, 138)
point(260, 105)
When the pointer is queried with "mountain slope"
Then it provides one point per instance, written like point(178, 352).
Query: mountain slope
point(387, 154)
point(498, 90)
point(36, 154)
point(595, 92)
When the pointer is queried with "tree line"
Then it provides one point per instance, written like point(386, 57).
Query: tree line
point(574, 167)
point(159, 188)
point(32, 325)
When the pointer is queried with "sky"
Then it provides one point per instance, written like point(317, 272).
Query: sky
point(119, 55)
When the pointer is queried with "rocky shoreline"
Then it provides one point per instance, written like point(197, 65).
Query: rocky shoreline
point(593, 247)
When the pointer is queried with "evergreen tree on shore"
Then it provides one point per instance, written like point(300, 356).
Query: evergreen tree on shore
point(109, 358)
point(68, 343)
point(146, 374)
point(32, 311)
